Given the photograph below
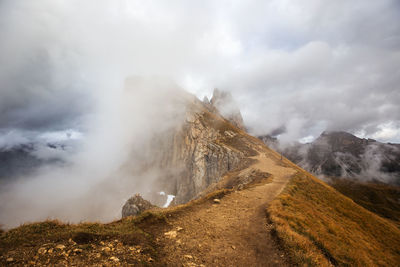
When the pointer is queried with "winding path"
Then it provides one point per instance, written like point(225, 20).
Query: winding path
point(234, 232)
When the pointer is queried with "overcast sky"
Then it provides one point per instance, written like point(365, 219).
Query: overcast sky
point(304, 66)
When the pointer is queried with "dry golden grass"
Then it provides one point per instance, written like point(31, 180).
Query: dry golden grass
point(55, 231)
point(25, 240)
point(382, 199)
point(318, 226)
point(23, 243)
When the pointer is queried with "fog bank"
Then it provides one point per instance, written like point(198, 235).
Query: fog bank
point(293, 68)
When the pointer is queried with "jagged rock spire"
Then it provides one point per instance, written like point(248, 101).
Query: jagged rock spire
point(227, 106)
point(206, 100)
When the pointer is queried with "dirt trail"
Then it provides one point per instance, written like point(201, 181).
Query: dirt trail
point(234, 232)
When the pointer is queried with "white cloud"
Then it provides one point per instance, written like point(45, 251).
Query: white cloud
point(11, 139)
point(301, 66)
point(307, 139)
point(387, 132)
point(335, 62)
point(60, 136)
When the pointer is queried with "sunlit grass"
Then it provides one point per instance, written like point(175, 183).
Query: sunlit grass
point(318, 226)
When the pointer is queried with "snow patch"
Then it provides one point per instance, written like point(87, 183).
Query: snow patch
point(169, 200)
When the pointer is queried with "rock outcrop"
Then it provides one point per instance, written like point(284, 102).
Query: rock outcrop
point(186, 158)
point(197, 154)
point(135, 205)
point(206, 159)
point(224, 103)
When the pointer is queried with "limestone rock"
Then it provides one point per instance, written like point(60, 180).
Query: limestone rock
point(114, 259)
point(192, 156)
point(135, 205)
point(60, 247)
point(78, 250)
point(196, 157)
point(226, 105)
point(106, 250)
point(42, 251)
point(206, 101)
point(171, 234)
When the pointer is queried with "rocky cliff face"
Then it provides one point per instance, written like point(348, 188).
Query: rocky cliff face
point(224, 103)
point(197, 154)
point(186, 159)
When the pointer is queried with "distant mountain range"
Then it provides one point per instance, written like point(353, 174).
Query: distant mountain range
point(341, 154)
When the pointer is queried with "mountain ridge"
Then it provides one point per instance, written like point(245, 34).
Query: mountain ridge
point(263, 211)
point(341, 154)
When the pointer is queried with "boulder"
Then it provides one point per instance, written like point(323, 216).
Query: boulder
point(135, 205)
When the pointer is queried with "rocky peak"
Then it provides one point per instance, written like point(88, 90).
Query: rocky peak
point(227, 107)
point(206, 101)
point(188, 158)
point(343, 142)
point(195, 152)
point(197, 156)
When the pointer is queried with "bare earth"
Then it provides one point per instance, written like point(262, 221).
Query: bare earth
point(234, 232)
point(230, 231)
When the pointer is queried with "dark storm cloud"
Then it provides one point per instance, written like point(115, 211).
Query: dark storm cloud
point(307, 66)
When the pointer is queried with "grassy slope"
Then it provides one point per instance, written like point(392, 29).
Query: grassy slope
point(140, 232)
point(321, 227)
point(381, 199)
point(23, 243)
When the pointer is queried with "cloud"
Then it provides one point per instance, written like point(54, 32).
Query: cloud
point(11, 139)
point(334, 65)
point(304, 67)
point(117, 159)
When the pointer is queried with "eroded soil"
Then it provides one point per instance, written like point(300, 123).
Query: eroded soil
point(233, 230)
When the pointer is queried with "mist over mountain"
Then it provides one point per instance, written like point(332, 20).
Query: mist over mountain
point(100, 106)
point(288, 65)
point(23, 155)
point(343, 155)
point(224, 103)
